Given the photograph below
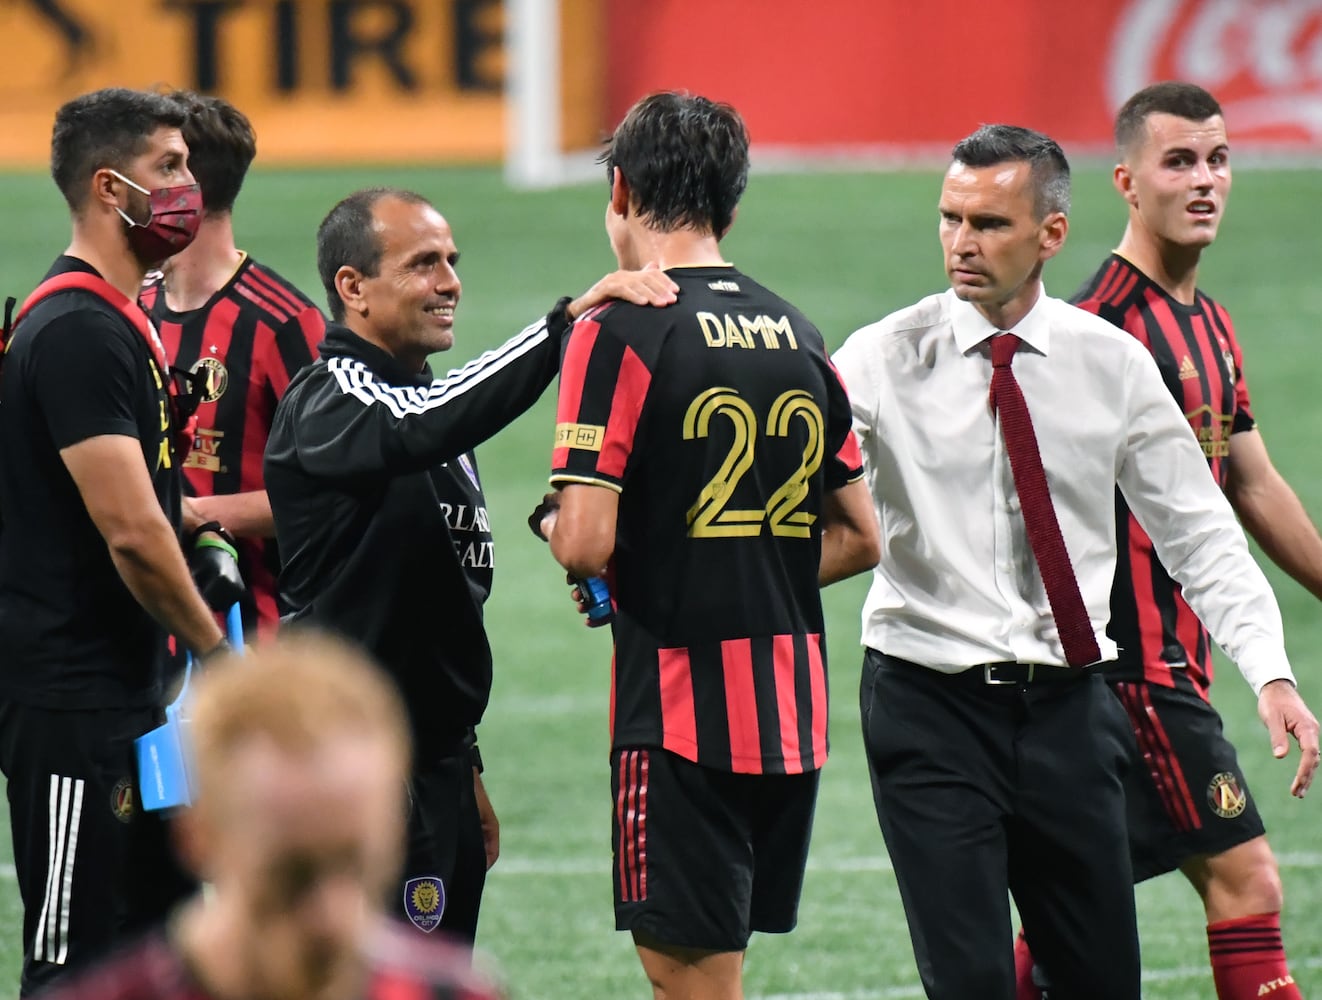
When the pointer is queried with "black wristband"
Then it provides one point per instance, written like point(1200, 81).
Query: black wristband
point(214, 526)
point(558, 320)
point(476, 756)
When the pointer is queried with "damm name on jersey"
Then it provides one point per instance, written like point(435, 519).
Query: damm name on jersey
point(747, 332)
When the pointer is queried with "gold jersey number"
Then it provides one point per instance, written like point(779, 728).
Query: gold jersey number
point(711, 516)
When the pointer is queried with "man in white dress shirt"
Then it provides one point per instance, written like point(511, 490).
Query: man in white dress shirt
point(996, 754)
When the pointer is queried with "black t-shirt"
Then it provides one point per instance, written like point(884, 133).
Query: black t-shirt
point(723, 426)
point(71, 634)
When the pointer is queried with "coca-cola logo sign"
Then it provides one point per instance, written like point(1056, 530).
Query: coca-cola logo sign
point(1262, 59)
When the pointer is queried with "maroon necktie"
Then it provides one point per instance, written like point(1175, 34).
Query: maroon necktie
point(1053, 561)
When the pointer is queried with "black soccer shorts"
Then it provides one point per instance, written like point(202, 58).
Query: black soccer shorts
point(93, 868)
point(445, 866)
point(1186, 794)
point(702, 858)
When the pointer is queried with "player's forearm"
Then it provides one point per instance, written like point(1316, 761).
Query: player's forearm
point(244, 515)
point(846, 552)
point(851, 537)
point(152, 566)
point(1277, 521)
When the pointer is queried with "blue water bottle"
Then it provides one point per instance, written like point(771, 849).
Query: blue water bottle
point(597, 599)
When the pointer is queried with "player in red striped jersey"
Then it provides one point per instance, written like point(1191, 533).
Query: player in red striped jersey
point(705, 451)
point(244, 330)
point(1189, 805)
point(301, 757)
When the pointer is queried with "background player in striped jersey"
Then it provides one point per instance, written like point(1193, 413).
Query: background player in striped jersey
point(704, 451)
point(302, 753)
point(244, 331)
point(1189, 806)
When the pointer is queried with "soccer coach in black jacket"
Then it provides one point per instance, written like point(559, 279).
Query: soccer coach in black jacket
point(379, 515)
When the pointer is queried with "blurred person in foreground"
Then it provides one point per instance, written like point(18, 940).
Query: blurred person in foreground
point(705, 463)
point(380, 515)
point(1189, 804)
point(301, 758)
point(242, 331)
point(92, 576)
point(997, 424)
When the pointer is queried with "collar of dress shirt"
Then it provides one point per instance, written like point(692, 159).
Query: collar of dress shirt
point(971, 328)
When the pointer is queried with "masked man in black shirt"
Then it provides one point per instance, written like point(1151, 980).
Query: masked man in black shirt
point(92, 575)
point(379, 512)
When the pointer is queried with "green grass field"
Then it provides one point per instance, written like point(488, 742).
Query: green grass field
point(846, 248)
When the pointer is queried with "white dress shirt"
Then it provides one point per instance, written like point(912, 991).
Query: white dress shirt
point(957, 584)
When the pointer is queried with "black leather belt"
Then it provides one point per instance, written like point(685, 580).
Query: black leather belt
point(1009, 672)
point(1002, 674)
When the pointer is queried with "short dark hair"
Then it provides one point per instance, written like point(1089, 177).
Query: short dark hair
point(685, 159)
point(1050, 171)
point(347, 238)
point(221, 146)
point(106, 128)
point(1171, 97)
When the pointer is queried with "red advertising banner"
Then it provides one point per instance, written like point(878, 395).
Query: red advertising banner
point(904, 77)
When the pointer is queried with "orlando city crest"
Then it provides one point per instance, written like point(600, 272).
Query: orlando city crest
point(1225, 795)
point(424, 902)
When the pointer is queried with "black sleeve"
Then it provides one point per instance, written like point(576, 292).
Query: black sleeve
point(85, 377)
point(356, 425)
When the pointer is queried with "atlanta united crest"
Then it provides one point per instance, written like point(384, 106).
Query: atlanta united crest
point(121, 800)
point(1225, 795)
point(215, 378)
point(424, 902)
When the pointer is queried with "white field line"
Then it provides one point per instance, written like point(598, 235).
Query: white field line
point(906, 992)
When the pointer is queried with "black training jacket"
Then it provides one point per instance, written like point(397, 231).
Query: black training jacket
point(357, 450)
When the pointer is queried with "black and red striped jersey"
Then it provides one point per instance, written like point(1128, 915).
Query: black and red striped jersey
point(249, 340)
point(722, 424)
point(1159, 636)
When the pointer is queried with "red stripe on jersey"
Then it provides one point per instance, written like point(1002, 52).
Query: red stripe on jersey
point(635, 788)
point(171, 334)
point(573, 373)
point(1114, 274)
point(258, 408)
point(817, 684)
point(257, 292)
point(741, 706)
point(281, 295)
point(622, 824)
point(389, 986)
point(1126, 287)
point(679, 723)
point(1151, 630)
point(849, 455)
point(626, 407)
point(255, 296)
point(1159, 757)
point(787, 703)
point(1221, 319)
point(642, 826)
point(1135, 324)
point(147, 296)
point(215, 344)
